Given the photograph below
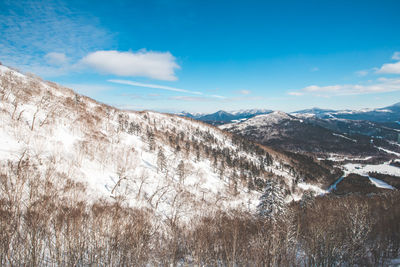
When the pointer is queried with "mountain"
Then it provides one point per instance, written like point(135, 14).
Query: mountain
point(314, 111)
point(387, 116)
point(165, 163)
point(218, 117)
point(378, 130)
point(250, 112)
point(309, 134)
point(390, 114)
point(222, 117)
point(84, 183)
point(189, 115)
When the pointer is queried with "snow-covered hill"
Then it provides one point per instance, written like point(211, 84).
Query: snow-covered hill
point(261, 120)
point(171, 165)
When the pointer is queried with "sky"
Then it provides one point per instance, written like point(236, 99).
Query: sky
point(204, 56)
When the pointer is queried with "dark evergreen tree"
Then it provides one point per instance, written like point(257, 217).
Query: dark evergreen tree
point(181, 170)
point(151, 140)
point(272, 201)
point(161, 160)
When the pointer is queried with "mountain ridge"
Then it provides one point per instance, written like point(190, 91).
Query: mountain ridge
point(388, 114)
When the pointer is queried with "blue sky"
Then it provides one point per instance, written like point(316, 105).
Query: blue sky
point(203, 56)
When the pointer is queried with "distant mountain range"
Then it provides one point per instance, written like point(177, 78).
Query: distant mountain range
point(386, 114)
point(315, 130)
point(389, 115)
point(222, 117)
point(321, 133)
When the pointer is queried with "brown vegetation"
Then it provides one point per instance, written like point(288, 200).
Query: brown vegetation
point(43, 222)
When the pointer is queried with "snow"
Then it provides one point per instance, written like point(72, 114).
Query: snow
point(9, 147)
point(4, 69)
point(304, 115)
point(249, 111)
point(66, 137)
point(338, 157)
point(364, 169)
point(383, 110)
point(380, 183)
point(311, 187)
point(345, 137)
point(388, 151)
point(113, 163)
point(88, 146)
point(259, 120)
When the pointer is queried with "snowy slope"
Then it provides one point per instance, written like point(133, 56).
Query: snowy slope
point(380, 183)
point(116, 153)
point(260, 121)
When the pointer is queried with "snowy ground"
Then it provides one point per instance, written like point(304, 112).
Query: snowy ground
point(85, 140)
point(380, 183)
point(364, 169)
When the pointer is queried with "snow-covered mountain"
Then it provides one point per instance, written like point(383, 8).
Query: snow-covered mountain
point(248, 112)
point(171, 165)
point(270, 119)
point(222, 117)
point(385, 114)
point(389, 115)
point(193, 115)
point(314, 111)
point(302, 132)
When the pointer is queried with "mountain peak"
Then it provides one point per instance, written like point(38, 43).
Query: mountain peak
point(220, 112)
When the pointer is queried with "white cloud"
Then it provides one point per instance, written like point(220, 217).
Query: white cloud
point(380, 86)
point(155, 65)
point(55, 58)
point(390, 68)
point(32, 29)
point(295, 93)
point(200, 96)
point(156, 86)
point(244, 92)
point(362, 73)
point(218, 96)
point(396, 56)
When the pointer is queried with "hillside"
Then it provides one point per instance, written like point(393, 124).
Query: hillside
point(171, 165)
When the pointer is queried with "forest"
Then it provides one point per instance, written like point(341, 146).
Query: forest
point(50, 227)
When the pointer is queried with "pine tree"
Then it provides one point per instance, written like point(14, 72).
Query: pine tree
point(221, 170)
point(181, 170)
point(161, 160)
point(197, 153)
point(272, 201)
point(150, 140)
